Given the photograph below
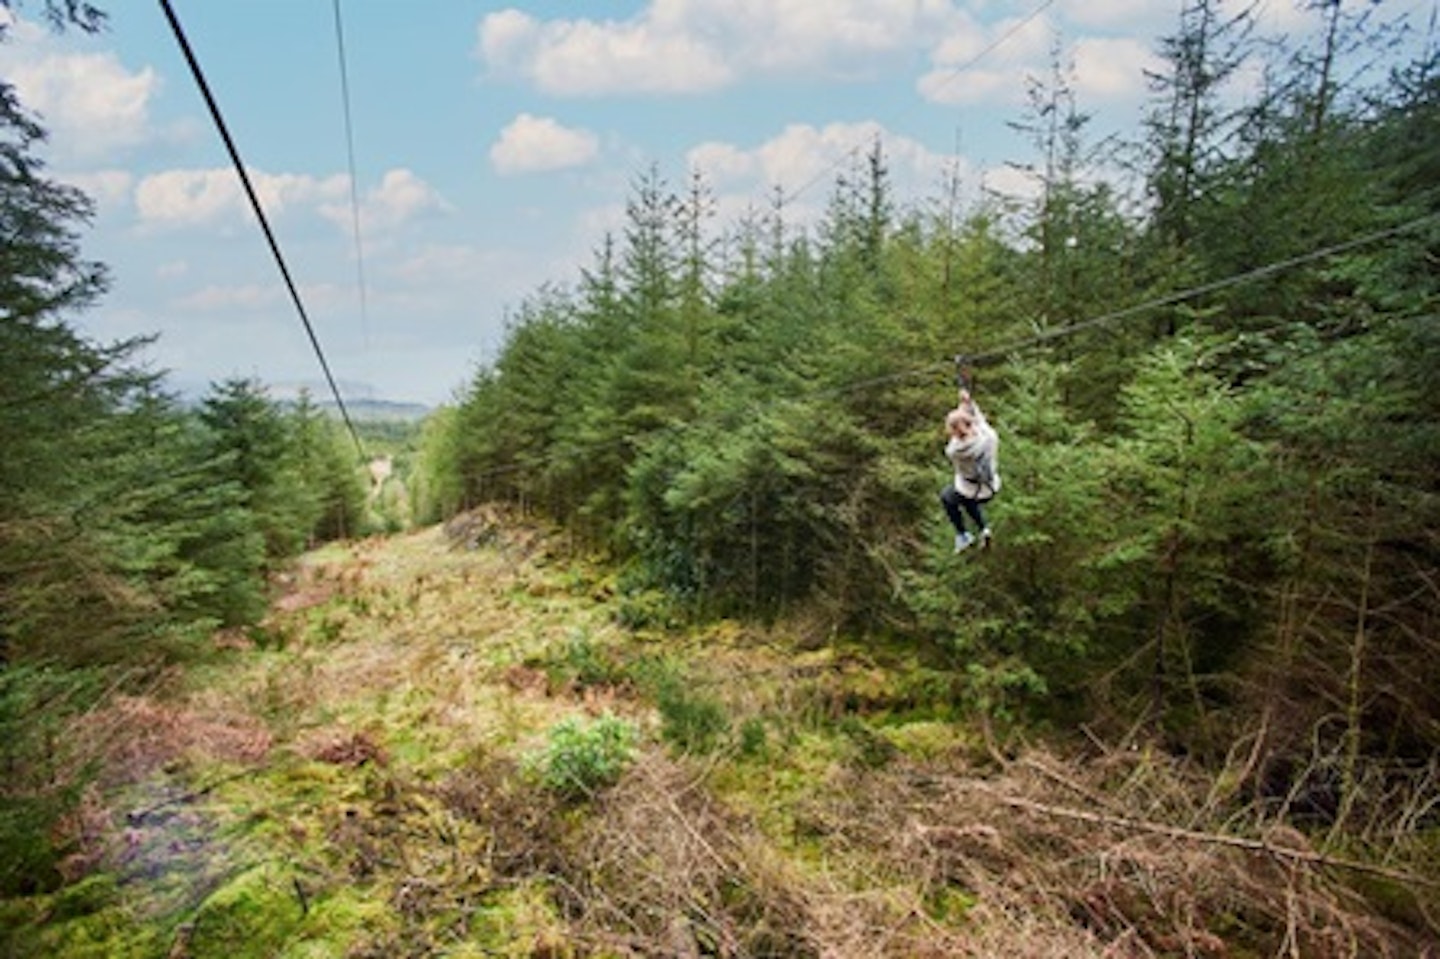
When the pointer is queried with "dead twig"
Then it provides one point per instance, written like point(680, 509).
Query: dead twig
point(1210, 838)
point(1089, 795)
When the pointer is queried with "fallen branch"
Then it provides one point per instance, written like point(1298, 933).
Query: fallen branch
point(1220, 839)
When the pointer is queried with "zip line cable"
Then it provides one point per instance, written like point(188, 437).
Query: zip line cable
point(1202, 289)
point(354, 183)
point(235, 160)
point(1002, 352)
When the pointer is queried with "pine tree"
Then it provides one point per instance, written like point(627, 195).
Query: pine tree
point(1083, 247)
point(254, 448)
point(1187, 124)
point(1189, 478)
point(329, 477)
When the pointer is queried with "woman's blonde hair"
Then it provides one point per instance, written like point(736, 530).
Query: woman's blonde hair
point(957, 416)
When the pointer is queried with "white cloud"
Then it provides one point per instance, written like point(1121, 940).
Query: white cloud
point(11, 25)
point(973, 86)
point(984, 64)
point(803, 158)
point(1113, 68)
point(506, 37)
point(1284, 17)
point(179, 198)
point(250, 296)
point(436, 276)
point(401, 197)
point(1013, 183)
point(723, 162)
point(108, 188)
point(279, 192)
point(585, 57)
point(532, 144)
point(192, 198)
point(839, 36)
point(91, 105)
point(442, 262)
point(1132, 16)
point(687, 46)
point(324, 301)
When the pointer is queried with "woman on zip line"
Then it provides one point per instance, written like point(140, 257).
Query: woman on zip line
point(971, 446)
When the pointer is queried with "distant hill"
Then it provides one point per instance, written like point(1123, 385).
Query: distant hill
point(382, 411)
point(360, 400)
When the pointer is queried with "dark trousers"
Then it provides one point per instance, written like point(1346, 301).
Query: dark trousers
point(953, 502)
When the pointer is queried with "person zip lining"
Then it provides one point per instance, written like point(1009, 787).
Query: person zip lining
point(972, 447)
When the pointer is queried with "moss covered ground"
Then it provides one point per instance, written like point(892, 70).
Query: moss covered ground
point(365, 775)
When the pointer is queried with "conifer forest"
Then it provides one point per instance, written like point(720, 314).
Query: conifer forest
point(1203, 648)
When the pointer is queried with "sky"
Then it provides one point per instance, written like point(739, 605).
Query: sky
point(494, 146)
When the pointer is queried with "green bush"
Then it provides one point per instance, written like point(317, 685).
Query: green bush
point(580, 758)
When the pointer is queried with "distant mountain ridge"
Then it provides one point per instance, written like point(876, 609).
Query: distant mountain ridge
point(360, 400)
point(377, 410)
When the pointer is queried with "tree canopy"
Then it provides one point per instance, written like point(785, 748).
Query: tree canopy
point(1219, 450)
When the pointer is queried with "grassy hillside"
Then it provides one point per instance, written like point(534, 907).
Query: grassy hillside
point(447, 744)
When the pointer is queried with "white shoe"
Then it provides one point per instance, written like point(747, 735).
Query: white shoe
point(963, 541)
point(985, 537)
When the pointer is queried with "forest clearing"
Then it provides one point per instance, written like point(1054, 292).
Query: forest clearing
point(402, 759)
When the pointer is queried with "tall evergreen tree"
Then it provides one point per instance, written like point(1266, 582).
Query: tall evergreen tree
point(1083, 249)
point(329, 477)
point(254, 445)
point(106, 515)
point(1188, 125)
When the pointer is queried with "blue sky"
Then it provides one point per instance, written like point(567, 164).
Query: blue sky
point(495, 145)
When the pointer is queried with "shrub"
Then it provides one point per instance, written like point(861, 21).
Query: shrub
point(690, 720)
point(584, 663)
point(580, 758)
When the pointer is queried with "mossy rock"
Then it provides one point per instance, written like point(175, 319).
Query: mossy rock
point(252, 915)
point(90, 895)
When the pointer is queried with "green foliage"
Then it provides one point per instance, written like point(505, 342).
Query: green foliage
point(691, 719)
point(130, 527)
point(733, 512)
point(213, 565)
point(116, 534)
point(581, 662)
point(579, 758)
point(437, 483)
point(326, 473)
point(255, 450)
point(753, 434)
point(40, 784)
point(754, 742)
point(871, 749)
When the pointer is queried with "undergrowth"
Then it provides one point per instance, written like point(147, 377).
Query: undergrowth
point(459, 749)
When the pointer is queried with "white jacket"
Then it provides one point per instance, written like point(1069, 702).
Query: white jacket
point(977, 469)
